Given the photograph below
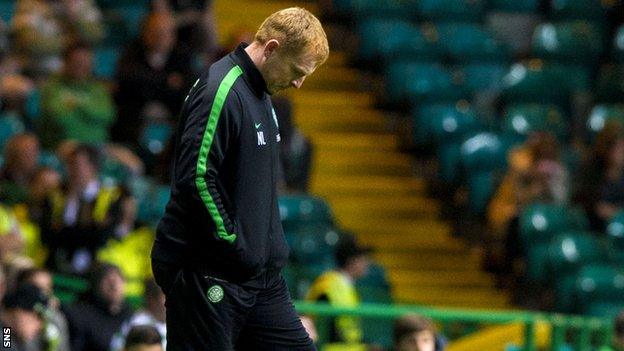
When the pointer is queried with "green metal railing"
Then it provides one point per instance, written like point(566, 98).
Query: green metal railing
point(584, 331)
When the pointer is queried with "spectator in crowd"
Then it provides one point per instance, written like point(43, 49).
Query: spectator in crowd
point(153, 78)
point(44, 183)
point(153, 315)
point(74, 104)
point(42, 279)
point(26, 313)
point(11, 239)
point(79, 219)
point(143, 338)
point(415, 333)
point(195, 24)
point(602, 183)
point(100, 312)
point(21, 155)
point(617, 344)
point(536, 173)
point(338, 288)
point(44, 28)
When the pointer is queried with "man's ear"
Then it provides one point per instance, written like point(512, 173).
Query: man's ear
point(271, 47)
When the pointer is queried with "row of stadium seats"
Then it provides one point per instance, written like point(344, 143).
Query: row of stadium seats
point(471, 10)
point(584, 269)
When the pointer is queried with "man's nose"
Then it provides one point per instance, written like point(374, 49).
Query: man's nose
point(297, 83)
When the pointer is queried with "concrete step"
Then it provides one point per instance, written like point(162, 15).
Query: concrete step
point(400, 229)
point(428, 260)
point(449, 297)
point(330, 186)
point(385, 242)
point(352, 141)
point(361, 163)
point(331, 99)
point(310, 121)
point(433, 278)
point(367, 206)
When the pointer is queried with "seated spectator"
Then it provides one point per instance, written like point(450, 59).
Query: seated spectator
point(143, 338)
point(78, 219)
point(415, 333)
point(100, 312)
point(44, 183)
point(536, 173)
point(42, 279)
point(74, 104)
point(21, 155)
point(338, 288)
point(153, 77)
point(602, 184)
point(25, 312)
point(11, 239)
point(617, 344)
point(42, 29)
point(153, 316)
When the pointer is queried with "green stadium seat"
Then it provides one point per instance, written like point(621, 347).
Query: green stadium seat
point(609, 87)
point(602, 114)
point(105, 62)
point(7, 10)
point(618, 45)
point(482, 156)
point(537, 256)
point(465, 42)
point(10, 125)
point(569, 42)
point(451, 10)
point(420, 82)
point(580, 9)
point(448, 126)
point(604, 309)
point(114, 172)
point(520, 120)
point(388, 38)
point(298, 211)
point(49, 159)
point(513, 6)
point(313, 245)
point(540, 222)
point(155, 137)
point(484, 76)
point(380, 8)
point(535, 81)
point(600, 283)
point(570, 250)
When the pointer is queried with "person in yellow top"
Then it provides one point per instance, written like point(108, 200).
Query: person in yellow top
point(338, 288)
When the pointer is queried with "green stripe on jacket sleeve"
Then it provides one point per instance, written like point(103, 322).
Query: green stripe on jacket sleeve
point(200, 181)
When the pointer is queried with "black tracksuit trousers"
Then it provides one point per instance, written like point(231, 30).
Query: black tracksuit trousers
point(206, 313)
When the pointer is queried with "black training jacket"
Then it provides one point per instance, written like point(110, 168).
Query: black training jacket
point(223, 216)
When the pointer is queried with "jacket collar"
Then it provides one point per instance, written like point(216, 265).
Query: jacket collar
point(251, 74)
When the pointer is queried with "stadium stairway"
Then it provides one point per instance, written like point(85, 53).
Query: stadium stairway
point(371, 186)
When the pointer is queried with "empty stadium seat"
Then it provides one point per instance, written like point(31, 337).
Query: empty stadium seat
point(618, 45)
point(105, 62)
point(298, 211)
point(580, 9)
point(467, 42)
point(540, 222)
point(536, 81)
point(480, 77)
point(7, 10)
point(482, 155)
point(313, 245)
point(155, 136)
point(451, 10)
point(10, 125)
point(603, 114)
point(604, 309)
point(599, 282)
point(570, 250)
point(609, 87)
point(521, 119)
point(381, 39)
point(568, 42)
point(527, 6)
point(420, 82)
